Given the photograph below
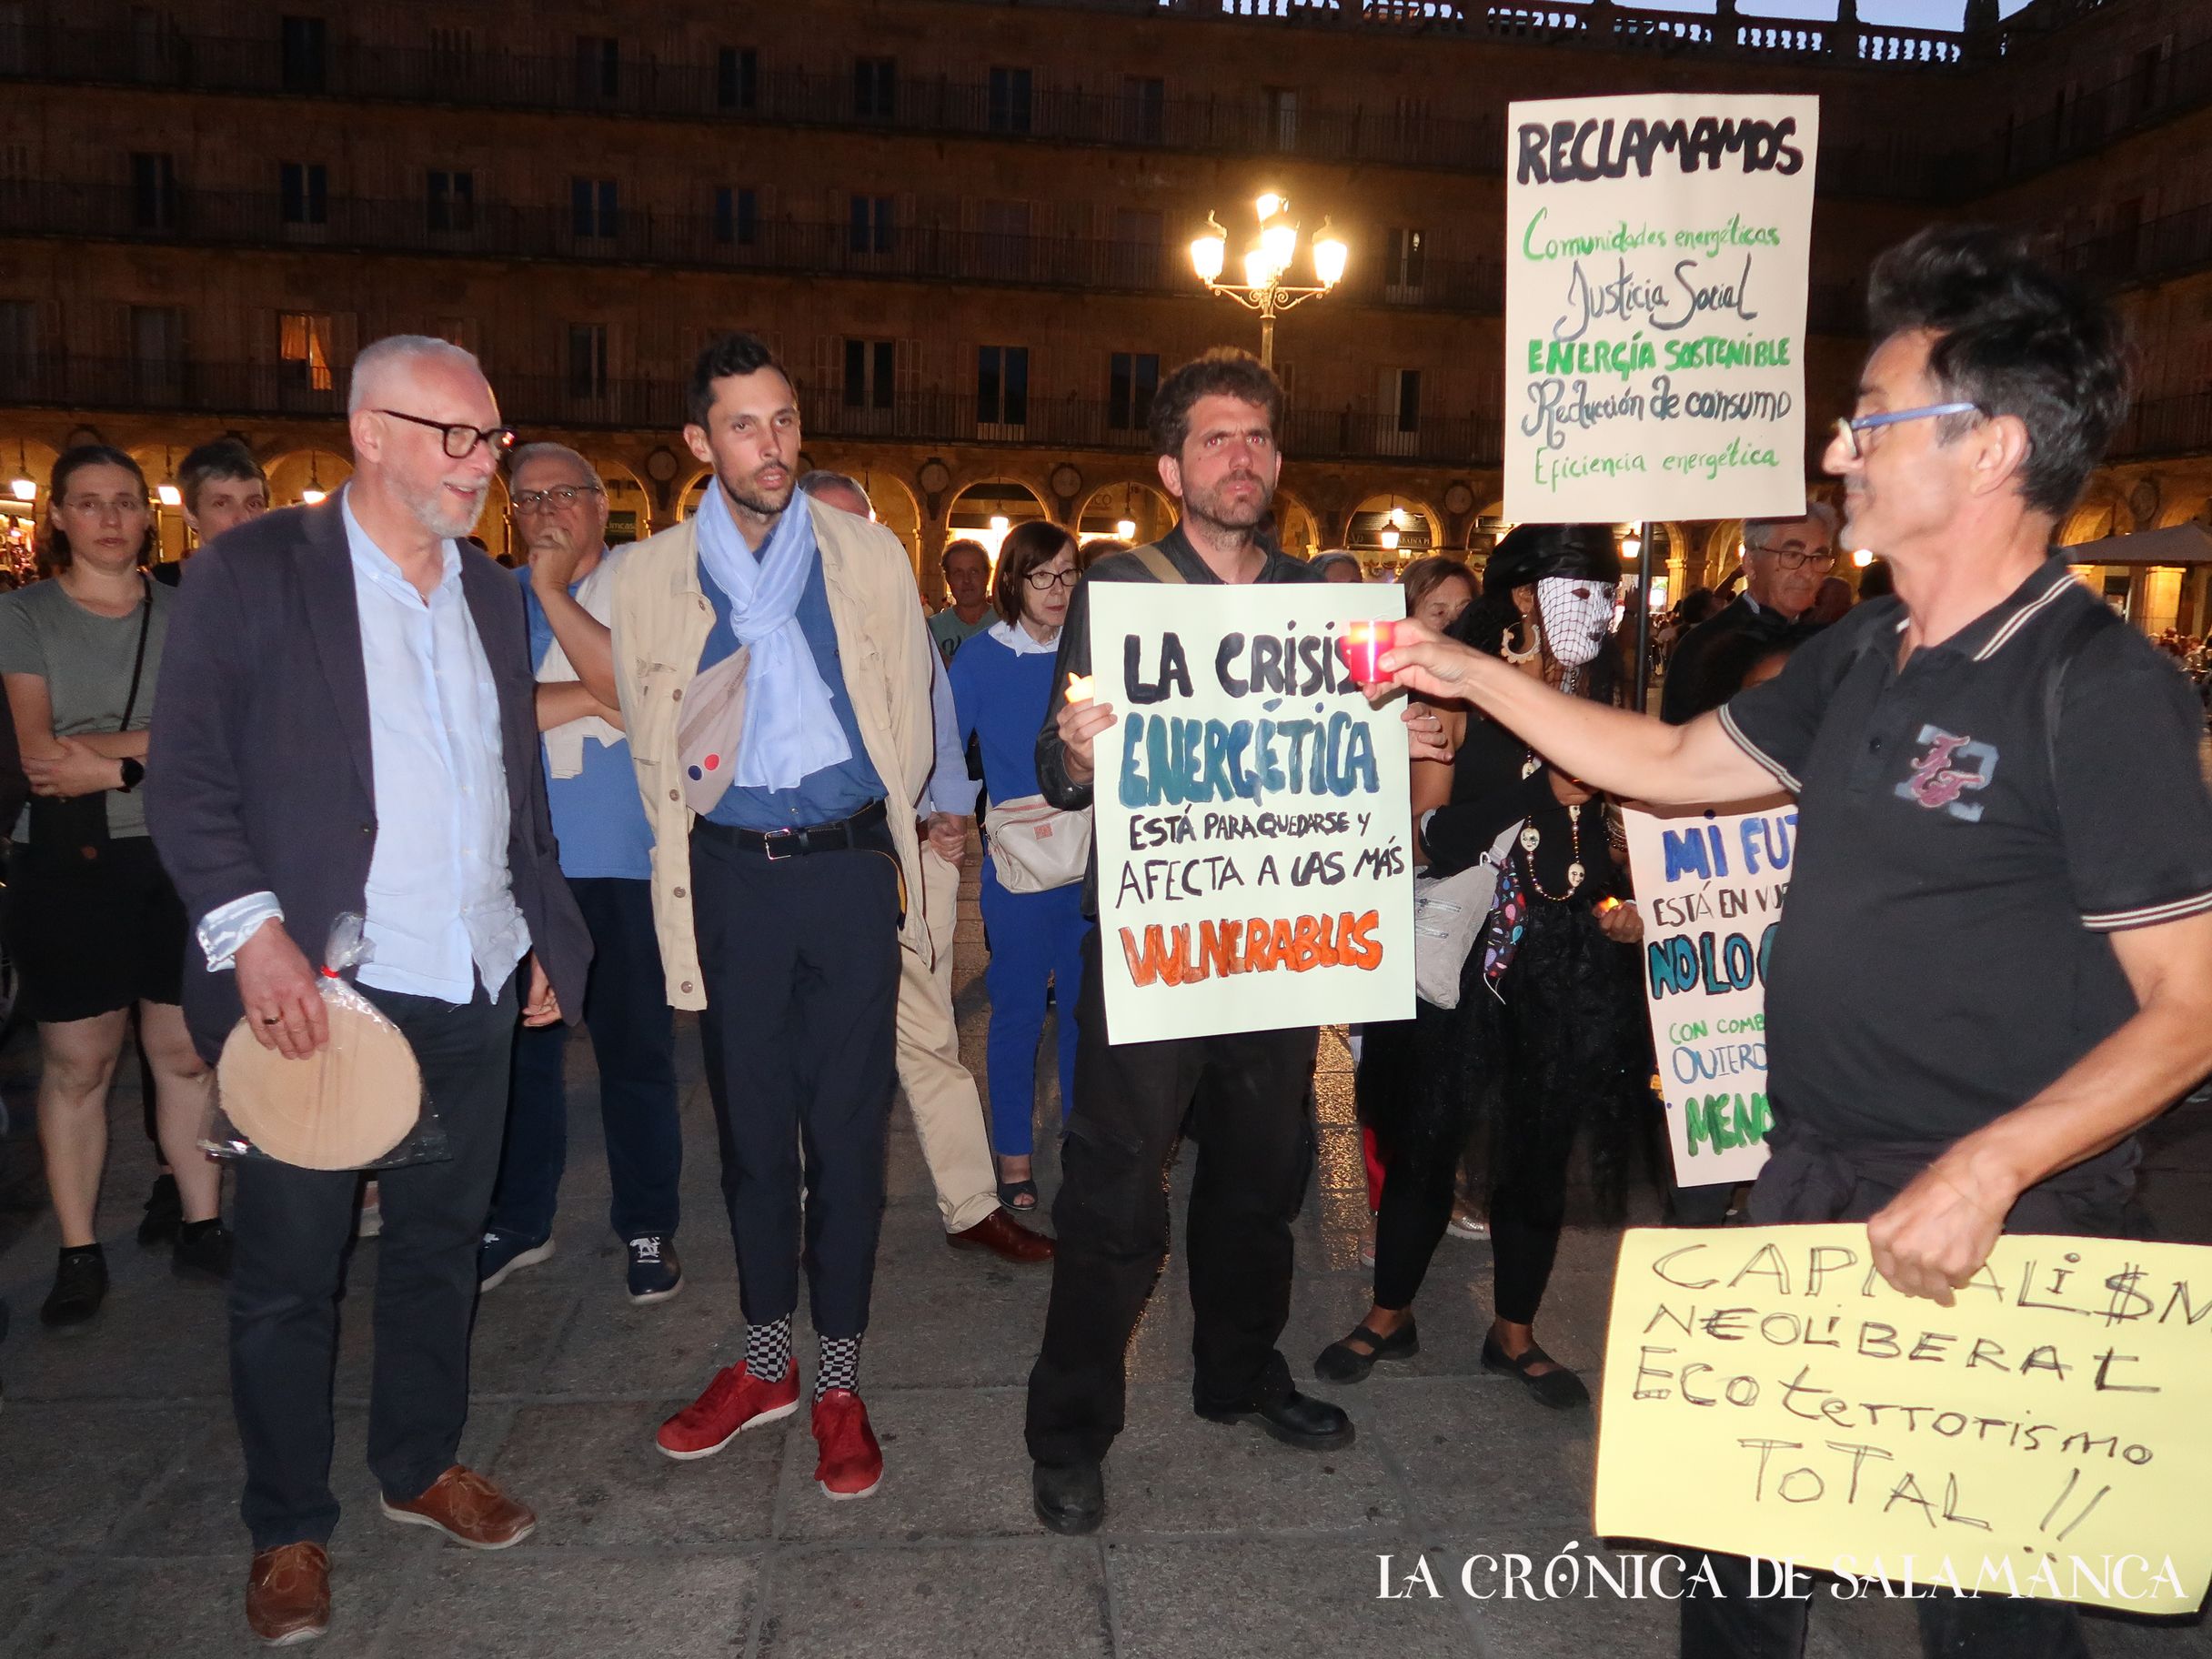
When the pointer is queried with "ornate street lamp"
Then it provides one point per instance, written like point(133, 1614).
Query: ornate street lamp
point(1266, 262)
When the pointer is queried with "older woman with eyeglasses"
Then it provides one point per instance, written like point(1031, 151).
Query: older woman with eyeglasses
point(1001, 685)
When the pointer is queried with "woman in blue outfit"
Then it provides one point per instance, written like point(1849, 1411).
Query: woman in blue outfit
point(1001, 684)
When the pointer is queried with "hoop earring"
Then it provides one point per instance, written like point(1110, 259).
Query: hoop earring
point(1529, 650)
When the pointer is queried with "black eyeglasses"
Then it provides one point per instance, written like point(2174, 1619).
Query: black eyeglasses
point(1793, 559)
point(560, 494)
point(1044, 581)
point(461, 438)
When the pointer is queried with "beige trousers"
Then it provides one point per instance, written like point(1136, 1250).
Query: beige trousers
point(948, 1110)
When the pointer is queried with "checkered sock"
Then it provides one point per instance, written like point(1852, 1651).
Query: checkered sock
point(768, 1349)
point(841, 1365)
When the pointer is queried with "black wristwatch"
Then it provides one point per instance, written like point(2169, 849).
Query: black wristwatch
point(134, 774)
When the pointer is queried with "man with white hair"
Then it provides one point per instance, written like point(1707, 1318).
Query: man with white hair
point(348, 726)
point(940, 1091)
point(560, 505)
point(1784, 562)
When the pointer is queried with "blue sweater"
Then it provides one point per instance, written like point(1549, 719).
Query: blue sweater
point(1000, 696)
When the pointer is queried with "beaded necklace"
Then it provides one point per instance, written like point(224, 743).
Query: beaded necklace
point(1532, 836)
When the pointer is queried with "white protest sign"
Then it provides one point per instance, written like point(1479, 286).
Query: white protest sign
point(1253, 812)
point(1655, 272)
point(1711, 886)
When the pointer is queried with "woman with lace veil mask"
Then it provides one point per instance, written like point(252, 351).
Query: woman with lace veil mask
point(1548, 1039)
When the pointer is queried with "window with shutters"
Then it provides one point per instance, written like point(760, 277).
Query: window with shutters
point(594, 207)
point(1131, 379)
point(1144, 105)
point(1006, 240)
point(19, 340)
point(1282, 117)
point(1134, 258)
point(302, 193)
point(1001, 389)
point(450, 199)
point(598, 68)
point(871, 373)
point(1008, 108)
point(14, 37)
point(1405, 263)
point(303, 349)
point(875, 88)
point(735, 217)
point(737, 79)
point(869, 224)
point(453, 51)
point(153, 203)
point(305, 54)
point(587, 359)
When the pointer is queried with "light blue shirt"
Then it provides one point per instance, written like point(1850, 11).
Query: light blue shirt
point(440, 910)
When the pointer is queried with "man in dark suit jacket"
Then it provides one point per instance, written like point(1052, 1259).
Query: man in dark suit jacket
point(1784, 562)
point(351, 727)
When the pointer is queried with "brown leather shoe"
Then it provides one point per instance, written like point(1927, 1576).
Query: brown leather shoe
point(287, 1594)
point(1008, 1240)
point(469, 1509)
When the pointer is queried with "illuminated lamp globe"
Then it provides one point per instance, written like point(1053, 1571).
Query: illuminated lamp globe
point(1330, 254)
point(170, 495)
point(1209, 251)
point(1863, 557)
point(24, 489)
point(1126, 528)
point(1278, 242)
point(1388, 537)
point(312, 498)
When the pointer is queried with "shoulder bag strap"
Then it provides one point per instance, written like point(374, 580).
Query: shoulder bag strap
point(146, 624)
point(1155, 560)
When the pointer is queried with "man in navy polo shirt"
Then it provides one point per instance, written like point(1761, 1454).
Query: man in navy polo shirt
point(606, 852)
point(1996, 962)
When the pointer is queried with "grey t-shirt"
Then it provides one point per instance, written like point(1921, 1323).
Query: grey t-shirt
point(85, 661)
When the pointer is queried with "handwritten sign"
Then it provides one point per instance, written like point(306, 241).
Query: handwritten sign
point(1253, 812)
point(1655, 270)
point(2047, 1436)
point(1711, 886)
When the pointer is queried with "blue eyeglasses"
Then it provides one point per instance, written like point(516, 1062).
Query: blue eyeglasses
point(1849, 428)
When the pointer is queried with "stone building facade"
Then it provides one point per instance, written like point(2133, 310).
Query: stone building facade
point(962, 224)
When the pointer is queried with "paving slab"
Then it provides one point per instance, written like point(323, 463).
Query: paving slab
point(1043, 1600)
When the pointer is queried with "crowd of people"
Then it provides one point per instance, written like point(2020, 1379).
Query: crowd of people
point(735, 769)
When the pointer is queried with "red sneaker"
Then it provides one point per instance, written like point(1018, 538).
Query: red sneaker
point(734, 1402)
point(852, 1464)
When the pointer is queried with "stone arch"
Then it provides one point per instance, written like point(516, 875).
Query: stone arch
point(297, 473)
point(693, 491)
point(20, 509)
point(2098, 515)
point(2182, 505)
point(898, 509)
point(627, 494)
point(1419, 527)
point(1141, 506)
point(1297, 527)
point(970, 513)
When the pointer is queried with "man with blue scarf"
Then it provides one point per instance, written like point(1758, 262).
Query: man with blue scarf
point(772, 666)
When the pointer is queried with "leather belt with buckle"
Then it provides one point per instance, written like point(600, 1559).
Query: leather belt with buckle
point(843, 835)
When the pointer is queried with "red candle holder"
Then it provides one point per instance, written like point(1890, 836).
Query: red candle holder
point(1362, 645)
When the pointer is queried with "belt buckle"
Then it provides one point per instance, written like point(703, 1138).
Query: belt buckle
point(769, 838)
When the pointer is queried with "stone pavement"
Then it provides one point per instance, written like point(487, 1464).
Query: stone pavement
point(119, 1466)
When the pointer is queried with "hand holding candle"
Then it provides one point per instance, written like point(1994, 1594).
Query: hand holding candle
point(1081, 719)
point(1362, 645)
point(1079, 688)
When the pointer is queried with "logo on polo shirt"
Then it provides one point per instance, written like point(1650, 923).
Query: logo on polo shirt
point(1952, 767)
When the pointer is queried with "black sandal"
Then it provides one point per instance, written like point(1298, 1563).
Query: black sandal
point(1561, 1390)
point(1010, 1191)
point(1341, 1362)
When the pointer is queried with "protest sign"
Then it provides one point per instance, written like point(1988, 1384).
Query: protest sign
point(1711, 885)
point(2047, 1436)
point(1253, 812)
point(1655, 269)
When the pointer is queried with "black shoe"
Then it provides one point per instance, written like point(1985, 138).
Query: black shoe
point(80, 1283)
point(1561, 1390)
point(655, 1271)
point(1070, 1500)
point(1296, 1420)
point(1350, 1360)
point(165, 1212)
point(203, 1251)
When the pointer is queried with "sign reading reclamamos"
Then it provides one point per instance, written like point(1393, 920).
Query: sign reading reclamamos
point(1711, 886)
point(2047, 1436)
point(1655, 268)
point(1251, 813)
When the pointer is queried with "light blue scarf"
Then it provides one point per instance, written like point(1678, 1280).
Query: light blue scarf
point(790, 724)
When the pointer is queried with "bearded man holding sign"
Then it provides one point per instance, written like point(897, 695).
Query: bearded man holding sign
point(1215, 425)
point(1996, 961)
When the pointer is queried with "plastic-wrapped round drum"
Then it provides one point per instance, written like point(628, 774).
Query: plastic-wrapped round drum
point(345, 1106)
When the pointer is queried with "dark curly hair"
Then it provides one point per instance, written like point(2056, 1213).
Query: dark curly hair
point(1225, 371)
point(733, 354)
point(2014, 337)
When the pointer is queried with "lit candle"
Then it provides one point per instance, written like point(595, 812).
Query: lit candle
point(1362, 645)
point(1079, 688)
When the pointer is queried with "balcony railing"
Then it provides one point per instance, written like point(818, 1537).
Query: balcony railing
point(939, 105)
point(270, 391)
point(2160, 427)
point(654, 236)
point(2163, 247)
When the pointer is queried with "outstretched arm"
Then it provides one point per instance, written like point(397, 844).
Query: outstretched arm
point(1629, 755)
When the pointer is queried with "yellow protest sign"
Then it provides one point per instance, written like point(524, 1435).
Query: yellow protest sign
point(1767, 1394)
